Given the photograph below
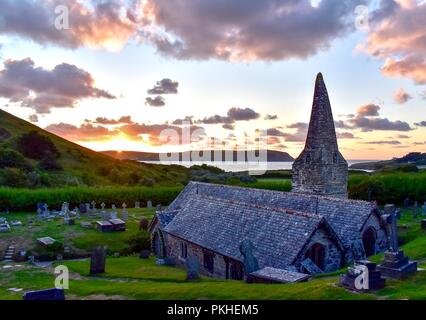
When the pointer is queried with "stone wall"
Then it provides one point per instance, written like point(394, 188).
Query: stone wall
point(174, 250)
point(314, 172)
point(333, 255)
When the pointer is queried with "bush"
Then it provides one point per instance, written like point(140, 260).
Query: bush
point(14, 178)
point(27, 199)
point(12, 159)
point(35, 146)
point(138, 242)
point(49, 163)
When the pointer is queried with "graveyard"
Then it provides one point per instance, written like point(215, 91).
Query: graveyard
point(127, 276)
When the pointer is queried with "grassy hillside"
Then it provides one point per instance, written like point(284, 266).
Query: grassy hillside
point(23, 163)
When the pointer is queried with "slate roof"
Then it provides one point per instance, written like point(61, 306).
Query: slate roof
point(346, 217)
point(221, 225)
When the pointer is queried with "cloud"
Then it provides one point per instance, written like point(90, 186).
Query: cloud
point(106, 121)
point(298, 136)
point(33, 118)
point(397, 34)
point(233, 115)
point(369, 110)
point(420, 124)
point(216, 119)
point(369, 124)
point(401, 97)
point(391, 142)
point(85, 132)
point(271, 117)
point(186, 120)
point(158, 101)
point(228, 126)
point(42, 89)
point(158, 133)
point(240, 114)
point(345, 135)
point(246, 30)
point(102, 24)
point(165, 86)
point(367, 119)
point(402, 136)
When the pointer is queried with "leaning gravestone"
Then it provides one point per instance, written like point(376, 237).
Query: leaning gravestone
point(250, 262)
point(98, 260)
point(143, 224)
point(310, 266)
point(192, 268)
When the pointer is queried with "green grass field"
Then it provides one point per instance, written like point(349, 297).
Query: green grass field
point(133, 278)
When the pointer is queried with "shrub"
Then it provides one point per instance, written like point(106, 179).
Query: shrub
point(35, 146)
point(14, 178)
point(12, 159)
point(48, 162)
point(140, 241)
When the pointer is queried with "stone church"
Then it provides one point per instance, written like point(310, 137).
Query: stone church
point(315, 228)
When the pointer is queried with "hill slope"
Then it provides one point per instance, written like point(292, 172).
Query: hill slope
point(33, 157)
point(411, 159)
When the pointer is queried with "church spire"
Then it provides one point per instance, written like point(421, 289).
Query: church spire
point(321, 169)
point(321, 126)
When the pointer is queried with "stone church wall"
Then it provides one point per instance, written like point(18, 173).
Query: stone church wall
point(333, 255)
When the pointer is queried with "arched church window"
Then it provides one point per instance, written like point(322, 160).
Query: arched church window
point(317, 254)
point(369, 241)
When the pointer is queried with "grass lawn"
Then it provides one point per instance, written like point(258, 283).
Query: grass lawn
point(133, 278)
point(76, 237)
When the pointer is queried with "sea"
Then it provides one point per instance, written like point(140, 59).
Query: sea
point(243, 166)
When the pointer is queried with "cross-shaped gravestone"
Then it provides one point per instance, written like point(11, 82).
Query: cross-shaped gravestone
point(103, 206)
point(391, 226)
point(93, 205)
point(124, 213)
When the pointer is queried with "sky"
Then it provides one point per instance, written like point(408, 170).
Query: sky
point(124, 75)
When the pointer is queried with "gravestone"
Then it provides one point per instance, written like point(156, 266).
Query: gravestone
point(192, 268)
point(83, 208)
point(159, 207)
point(149, 204)
point(250, 262)
point(87, 207)
point(310, 266)
point(137, 205)
point(93, 206)
point(406, 202)
point(49, 294)
point(124, 213)
point(416, 209)
point(98, 260)
point(395, 264)
point(367, 271)
point(143, 224)
point(145, 254)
